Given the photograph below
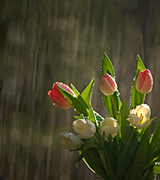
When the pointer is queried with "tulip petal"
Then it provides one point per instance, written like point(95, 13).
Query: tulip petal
point(58, 98)
point(144, 82)
point(140, 116)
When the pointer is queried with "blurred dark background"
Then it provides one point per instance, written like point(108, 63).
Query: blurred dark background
point(45, 41)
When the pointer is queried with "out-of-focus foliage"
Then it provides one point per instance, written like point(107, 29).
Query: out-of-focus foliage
point(45, 41)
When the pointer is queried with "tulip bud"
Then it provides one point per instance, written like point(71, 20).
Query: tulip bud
point(57, 97)
point(110, 127)
point(108, 85)
point(84, 128)
point(144, 82)
point(69, 141)
point(140, 116)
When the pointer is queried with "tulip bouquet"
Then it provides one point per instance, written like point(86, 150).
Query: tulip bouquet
point(118, 147)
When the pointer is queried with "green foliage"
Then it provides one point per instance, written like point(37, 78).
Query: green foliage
point(82, 101)
point(122, 120)
point(155, 137)
point(77, 102)
point(131, 154)
point(111, 102)
point(140, 157)
point(87, 93)
point(126, 158)
point(107, 66)
point(93, 161)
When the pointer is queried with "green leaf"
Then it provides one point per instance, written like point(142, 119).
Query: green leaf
point(136, 97)
point(110, 157)
point(126, 158)
point(89, 143)
point(75, 90)
point(116, 104)
point(108, 103)
point(86, 94)
point(78, 96)
point(122, 120)
point(129, 136)
point(149, 174)
point(107, 66)
point(155, 137)
point(140, 157)
point(91, 115)
point(76, 103)
point(113, 104)
point(132, 100)
point(80, 157)
point(153, 157)
point(140, 64)
point(79, 117)
point(98, 117)
point(93, 161)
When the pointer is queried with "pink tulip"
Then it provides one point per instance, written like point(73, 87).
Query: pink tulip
point(144, 82)
point(57, 97)
point(108, 85)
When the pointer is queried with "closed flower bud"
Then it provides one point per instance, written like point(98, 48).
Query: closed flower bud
point(57, 97)
point(140, 116)
point(84, 128)
point(108, 85)
point(109, 126)
point(144, 82)
point(69, 141)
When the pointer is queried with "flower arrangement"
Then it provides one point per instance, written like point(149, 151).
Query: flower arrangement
point(118, 147)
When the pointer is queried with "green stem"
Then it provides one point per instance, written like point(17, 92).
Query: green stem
point(142, 98)
point(102, 156)
point(104, 163)
point(114, 107)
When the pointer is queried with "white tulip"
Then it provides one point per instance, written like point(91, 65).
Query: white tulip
point(140, 116)
point(110, 127)
point(69, 141)
point(84, 128)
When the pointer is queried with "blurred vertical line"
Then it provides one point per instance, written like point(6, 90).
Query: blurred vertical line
point(156, 72)
point(38, 135)
point(35, 69)
point(26, 167)
point(103, 37)
point(24, 9)
point(40, 79)
point(3, 113)
point(142, 46)
point(37, 150)
point(12, 158)
point(92, 35)
point(117, 54)
point(77, 38)
point(34, 50)
point(55, 17)
point(18, 49)
point(16, 70)
point(48, 163)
